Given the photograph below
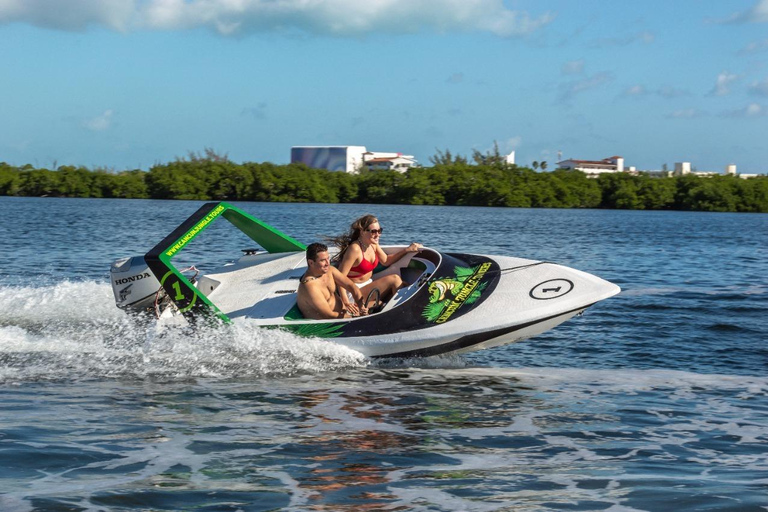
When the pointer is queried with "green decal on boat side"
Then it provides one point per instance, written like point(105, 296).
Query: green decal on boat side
point(447, 295)
point(318, 330)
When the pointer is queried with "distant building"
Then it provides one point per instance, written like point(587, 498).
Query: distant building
point(400, 163)
point(684, 168)
point(333, 158)
point(594, 168)
point(730, 170)
point(350, 158)
point(655, 173)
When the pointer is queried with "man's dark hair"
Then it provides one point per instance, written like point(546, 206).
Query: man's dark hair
point(315, 248)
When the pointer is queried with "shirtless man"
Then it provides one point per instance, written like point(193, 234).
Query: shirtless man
point(317, 297)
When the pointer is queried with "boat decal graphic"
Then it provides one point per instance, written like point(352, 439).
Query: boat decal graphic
point(192, 233)
point(447, 295)
point(319, 330)
point(551, 289)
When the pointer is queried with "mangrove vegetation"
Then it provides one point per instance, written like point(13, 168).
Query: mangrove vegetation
point(484, 180)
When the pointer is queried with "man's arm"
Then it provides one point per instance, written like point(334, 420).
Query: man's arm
point(347, 284)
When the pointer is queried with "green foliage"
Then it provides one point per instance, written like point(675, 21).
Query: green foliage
point(380, 187)
point(446, 158)
point(452, 180)
point(39, 183)
point(493, 159)
point(10, 180)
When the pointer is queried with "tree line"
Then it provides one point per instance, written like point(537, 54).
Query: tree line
point(484, 180)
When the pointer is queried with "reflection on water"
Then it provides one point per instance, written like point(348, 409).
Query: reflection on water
point(392, 439)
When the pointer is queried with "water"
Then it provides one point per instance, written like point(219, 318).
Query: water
point(656, 399)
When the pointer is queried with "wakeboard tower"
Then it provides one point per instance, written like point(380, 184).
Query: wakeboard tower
point(455, 302)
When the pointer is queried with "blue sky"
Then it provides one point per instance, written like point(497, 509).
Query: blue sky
point(126, 84)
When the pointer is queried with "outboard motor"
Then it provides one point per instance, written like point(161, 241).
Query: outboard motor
point(134, 285)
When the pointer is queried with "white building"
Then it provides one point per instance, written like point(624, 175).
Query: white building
point(350, 158)
point(594, 168)
point(398, 162)
point(730, 170)
point(684, 168)
point(333, 158)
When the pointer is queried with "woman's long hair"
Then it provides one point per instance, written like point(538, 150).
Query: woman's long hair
point(344, 241)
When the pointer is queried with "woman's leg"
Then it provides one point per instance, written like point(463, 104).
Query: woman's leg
point(387, 286)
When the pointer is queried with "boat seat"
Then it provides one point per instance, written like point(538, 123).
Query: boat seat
point(413, 271)
point(294, 313)
point(409, 273)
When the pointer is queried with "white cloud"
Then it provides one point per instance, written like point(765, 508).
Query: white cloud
point(636, 90)
point(326, 17)
point(750, 111)
point(686, 113)
point(667, 91)
point(754, 47)
point(724, 80)
point(753, 109)
point(73, 15)
point(757, 14)
point(640, 37)
point(569, 90)
point(99, 123)
point(574, 67)
point(759, 88)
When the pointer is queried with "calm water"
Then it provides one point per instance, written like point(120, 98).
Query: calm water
point(656, 399)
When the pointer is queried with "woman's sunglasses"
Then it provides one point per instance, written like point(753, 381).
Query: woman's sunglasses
point(375, 231)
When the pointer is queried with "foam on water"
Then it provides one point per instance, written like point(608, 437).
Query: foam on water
point(73, 330)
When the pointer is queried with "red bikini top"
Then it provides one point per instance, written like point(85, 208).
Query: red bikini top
point(366, 266)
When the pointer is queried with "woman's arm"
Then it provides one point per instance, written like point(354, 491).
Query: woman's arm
point(387, 260)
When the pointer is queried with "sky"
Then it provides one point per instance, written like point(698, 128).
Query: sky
point(125, 84)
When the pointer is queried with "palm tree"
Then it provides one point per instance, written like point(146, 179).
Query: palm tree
point(535, 165)
point(543, 165)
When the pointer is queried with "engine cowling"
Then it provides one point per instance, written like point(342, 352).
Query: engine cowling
point(134, 285)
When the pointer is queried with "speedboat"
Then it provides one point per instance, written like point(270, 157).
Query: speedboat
point(452, 302)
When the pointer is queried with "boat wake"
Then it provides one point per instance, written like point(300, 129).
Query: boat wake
point(72, 330)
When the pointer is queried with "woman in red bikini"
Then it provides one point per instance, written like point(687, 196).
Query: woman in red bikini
point(359, 254)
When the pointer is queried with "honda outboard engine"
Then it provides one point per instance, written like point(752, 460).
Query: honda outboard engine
point(135, 286)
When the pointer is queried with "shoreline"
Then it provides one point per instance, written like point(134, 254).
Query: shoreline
point(492, 185)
